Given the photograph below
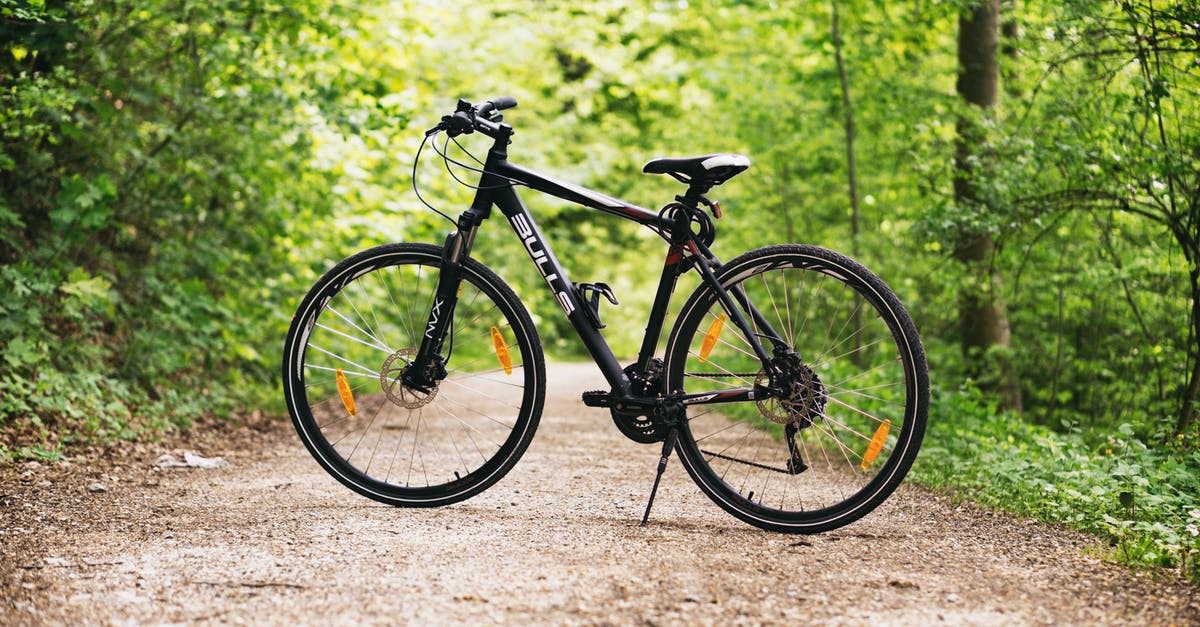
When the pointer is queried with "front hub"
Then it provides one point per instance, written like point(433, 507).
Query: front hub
point(397, 380)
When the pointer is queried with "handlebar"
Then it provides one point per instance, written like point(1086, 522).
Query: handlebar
point(468, 118)
point(496, 104)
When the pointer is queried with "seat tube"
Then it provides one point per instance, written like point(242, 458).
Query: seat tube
point(672, 267)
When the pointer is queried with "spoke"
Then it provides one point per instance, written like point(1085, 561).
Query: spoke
point(841, 445)
point(738, 349)
point(380, 343)
point(866, 396)
point(724, 383)
point(762, 278)
point(757, 448)
point(736, 333)
point(487, 416)
point(864, 373)
point(808, 459)
point(470, 427)
point(350, 301)
point(829, 465)
point(463, 366)
point(494, 307)
point(731, 425)
point(371, 308)
point(378, 442)
point(348, 372)
point(787, 305)
point(836, 423)
point(855, 409)
point(459, 380)
point(829, 338)
point(339, 419)
point(454, 442)
point(878, 386)
point(825, 359)
point(367, 429)
point(339, 358)
point(722, 368)
point(354, 339)
point(412, 457)
point(815, 290)
point(502, 401)
point(746, 462)
point(838, 337)
point(396, 453)
point(844, 427)
point(405, 312)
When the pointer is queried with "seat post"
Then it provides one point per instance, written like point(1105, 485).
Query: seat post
point(694, 194)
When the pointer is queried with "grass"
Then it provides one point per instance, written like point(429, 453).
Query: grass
point(1144, 500)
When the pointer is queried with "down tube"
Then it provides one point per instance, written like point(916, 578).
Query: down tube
point(518, 215)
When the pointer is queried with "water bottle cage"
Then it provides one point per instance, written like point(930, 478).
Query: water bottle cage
point(590, 293)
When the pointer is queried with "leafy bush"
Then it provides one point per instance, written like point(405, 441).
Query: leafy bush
point(1144, 499)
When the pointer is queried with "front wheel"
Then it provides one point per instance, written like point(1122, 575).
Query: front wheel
point(352, 338)
point(850, 412)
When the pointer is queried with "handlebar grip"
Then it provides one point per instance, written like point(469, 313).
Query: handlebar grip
point(504, 102)
point(496, 104)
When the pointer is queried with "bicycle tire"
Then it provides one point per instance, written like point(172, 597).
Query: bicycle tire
point(351, 335)
point(866, 367)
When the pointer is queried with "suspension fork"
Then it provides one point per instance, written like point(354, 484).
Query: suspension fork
point(428, 368)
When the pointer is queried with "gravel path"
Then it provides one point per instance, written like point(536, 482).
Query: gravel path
point(270, 539)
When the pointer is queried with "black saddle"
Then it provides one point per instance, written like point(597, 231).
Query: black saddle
point(705, 171)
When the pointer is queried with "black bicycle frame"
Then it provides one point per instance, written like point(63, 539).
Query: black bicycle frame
point(496, 188)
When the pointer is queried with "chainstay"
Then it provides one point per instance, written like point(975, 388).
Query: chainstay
point(742, 461)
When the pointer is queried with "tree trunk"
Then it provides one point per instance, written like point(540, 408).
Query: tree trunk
point(1188, 410)
point(982, 316)
point(848, 123)
point(856, 321)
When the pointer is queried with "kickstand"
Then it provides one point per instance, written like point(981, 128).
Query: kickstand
point(668, 444)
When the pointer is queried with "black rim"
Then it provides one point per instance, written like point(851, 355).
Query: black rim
point(355, 333)
point(868, 368)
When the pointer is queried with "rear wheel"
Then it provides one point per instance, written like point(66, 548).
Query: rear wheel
point(855, 394)
point(352, 337)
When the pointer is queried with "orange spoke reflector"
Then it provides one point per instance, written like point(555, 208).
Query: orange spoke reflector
point(876, 444)
point(345, 393)
point(710, 338)
point(501, 345)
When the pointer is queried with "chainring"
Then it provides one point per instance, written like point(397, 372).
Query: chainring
point(640, 427)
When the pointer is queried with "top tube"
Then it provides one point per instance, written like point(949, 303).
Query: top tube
point(580, 195)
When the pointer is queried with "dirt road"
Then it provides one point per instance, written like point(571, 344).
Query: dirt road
point(270, 539)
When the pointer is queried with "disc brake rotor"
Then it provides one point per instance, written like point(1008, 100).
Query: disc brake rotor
point(802, 403)
point(398, 393)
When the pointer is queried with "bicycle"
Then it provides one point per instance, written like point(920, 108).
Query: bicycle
point(793, 385)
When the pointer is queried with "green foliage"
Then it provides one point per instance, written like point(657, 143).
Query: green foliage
point(1144, 499)
point(173, 177)
point(143, 160)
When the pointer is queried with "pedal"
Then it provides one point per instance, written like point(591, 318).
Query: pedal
point(590, 294)
point(597, 398)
